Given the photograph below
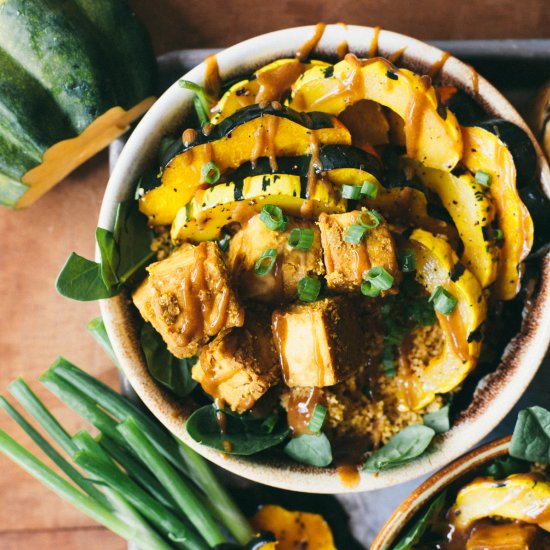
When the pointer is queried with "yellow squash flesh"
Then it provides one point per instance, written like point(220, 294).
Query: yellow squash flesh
point(471, 208)
point(268, 83)
point(211, 209)
point(430, 139)
point(485, 151)
point(267, 136)
point(435, 262)
point(293, 530)
point(524, 497)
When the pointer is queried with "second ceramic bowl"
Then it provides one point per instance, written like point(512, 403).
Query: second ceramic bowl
point(498, 392)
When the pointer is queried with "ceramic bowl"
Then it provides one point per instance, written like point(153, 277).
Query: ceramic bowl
point(498, 392)
point(396, 525)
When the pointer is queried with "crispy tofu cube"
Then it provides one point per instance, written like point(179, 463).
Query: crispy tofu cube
point(239, 366)
point(319, 344)
point(347, 263)
point(188, 298)
point(248, 244)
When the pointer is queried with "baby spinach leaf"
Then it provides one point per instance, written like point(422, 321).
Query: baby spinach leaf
point(415, 533)
point(240, 437)
point(438, 420)
point(502, 467)
point(124, 254)
point(531, 438)
point(313, 449)
point(80, 279)
point(405, 445)
point(171, 372)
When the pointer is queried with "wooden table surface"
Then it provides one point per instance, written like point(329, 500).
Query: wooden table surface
point(36, 324)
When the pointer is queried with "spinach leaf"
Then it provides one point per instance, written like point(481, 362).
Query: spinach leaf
point(415, 533)
point(531, 438)
point(171, 372)
point(313, 449)
point(438, 420)
point(124, 254)
point(405, 445)
point(502, 467)
point(80, 279)
point(241, 437)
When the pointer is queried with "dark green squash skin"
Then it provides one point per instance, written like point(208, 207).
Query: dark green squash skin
point(114, 20)
point(313, 121)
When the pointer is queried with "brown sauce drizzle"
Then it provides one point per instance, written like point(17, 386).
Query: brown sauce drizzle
point(397, 55)
point(207, 156)
point(349, 475)
point(373, 48)
point(309, 45)
point(188, 136)
point(453, 327)
point(274, 83)
point(260, 139)
point(212, 80)
point(342, 49)
point(436, 67)
point(300, 409)
point(272, 126)
point(280, 332)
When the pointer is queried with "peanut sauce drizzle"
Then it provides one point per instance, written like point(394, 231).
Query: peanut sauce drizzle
point(212, 80)
point(349, 475)
point(188, 136)
point(397, 55)
point(474, 79)
point(306, 210)
point(455, 333)
point(342, 49)
point(273, 83)
point(271, 150)
point(436, 67)
point(260, 138)
point(207, 156)
point(300, 410)
point(373, 48)
point(309, 45)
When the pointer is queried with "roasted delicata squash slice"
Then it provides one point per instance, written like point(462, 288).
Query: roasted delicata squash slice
point(293, 529)
point(213, 208)
point(485, 152)
point(267, 84)
point(438, 265)
point(250, 133)
point(471, 207)
point(431, 138)
point(524, 497)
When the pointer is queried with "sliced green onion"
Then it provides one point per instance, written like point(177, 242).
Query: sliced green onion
point(266, 262)
point(407, 260)
point(483, 178)
point(373, 216)
point(388, 362)
point(443, 301)
point(368, 289)
point(308, 289)
point(273, 217)
point(210, 173)
point(317, 418)
point(201, 101)
point(301, 238)
point(498, 234)
point(223, 243)
point(369, 189)
point(379, 278)
point(352, 192)
point(355, 233)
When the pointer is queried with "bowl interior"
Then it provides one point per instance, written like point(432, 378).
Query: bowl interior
point(498, 392)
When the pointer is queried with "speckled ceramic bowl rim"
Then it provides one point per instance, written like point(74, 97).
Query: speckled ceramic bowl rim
point(498, 392)
point(393, 528)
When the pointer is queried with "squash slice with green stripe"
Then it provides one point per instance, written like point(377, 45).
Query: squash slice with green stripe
point(75, 74)
point(431, 137)
point(250, 133)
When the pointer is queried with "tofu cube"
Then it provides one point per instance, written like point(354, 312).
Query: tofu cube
point(239, 366)
point(347, 263)
point(281, 283)
point(188, 298)
point(319, 343)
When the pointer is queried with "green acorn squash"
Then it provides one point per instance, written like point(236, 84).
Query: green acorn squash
point(68, 87)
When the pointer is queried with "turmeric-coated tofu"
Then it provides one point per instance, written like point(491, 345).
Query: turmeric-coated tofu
point(188, 298)
point(292, 265)
point(347, 263)
point(319, 343)
point(239, 366)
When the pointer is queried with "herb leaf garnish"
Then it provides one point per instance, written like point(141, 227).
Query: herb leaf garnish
point(405, 445)
point(313, 449)
point(124, 253)
point(531, 438)
point(438, 420)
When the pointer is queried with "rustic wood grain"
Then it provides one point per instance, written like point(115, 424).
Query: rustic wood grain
point(36, 324)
